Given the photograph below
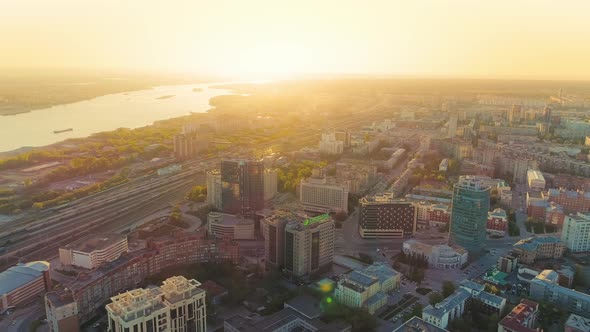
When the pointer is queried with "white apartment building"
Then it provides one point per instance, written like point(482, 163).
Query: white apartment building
point(330, 145)
point(576, 232)
point(214, 188)
point(176, 306)
point(224, 225)
point(91, 251)
point(309, 245)
point(323, 194)
point(271, 179)
point(535, 179)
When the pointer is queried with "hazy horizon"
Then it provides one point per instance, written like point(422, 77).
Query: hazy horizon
point(265, 39)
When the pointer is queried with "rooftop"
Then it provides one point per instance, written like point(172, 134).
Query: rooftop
point(95, 242)
point(453, 300)
point(20, 275)
point(516, 319)
point(578, 322)
point(532, 243)
point(417, 324)
point(229, 219)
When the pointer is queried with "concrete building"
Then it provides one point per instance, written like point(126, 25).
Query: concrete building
point(273, 231)
point(531, 249)
point(23, 282)
point(497, 222)
point(439, 256)
point(367, 289)
point(61, 311)
point(535, 179)
point(214, 189)
point(515, 114)
point(469, 294)
point(576, 232)
point(271, 180)
point(577, 323)
point(452, 130)
point(95, 287)
point(302, 313)
point(572, 201)
point(383, 216)
point(309, 245)
point(469, 214)
point(229, 226)
point(323, 194)
point(507, 263)
point(545, 287)
point(242, 186)
point(444, 165)
point(521, 319)
point(93, 250)
point(330, 145)
point(417, 324)
point(190, 143)
point(176, 306)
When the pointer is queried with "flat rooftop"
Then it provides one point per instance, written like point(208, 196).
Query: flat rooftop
point(95, 242)
point(20, 275)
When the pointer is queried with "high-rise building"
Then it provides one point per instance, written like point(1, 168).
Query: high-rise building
point(323, 194)
point(176, 306)
point(309, 245)
point(214, 189)
point(576, 232)
point(242, 186)
point(547, 114)
point(273, 230)
point(271, 178)
point(330, 145)
point(452, 126)
point(383, 216)
point(469, 214)
point(515, 114)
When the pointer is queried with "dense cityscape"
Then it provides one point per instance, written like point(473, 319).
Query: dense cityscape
point(294, 166)
point(420, 213)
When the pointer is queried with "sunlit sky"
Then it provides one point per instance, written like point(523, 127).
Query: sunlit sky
point(540, 39)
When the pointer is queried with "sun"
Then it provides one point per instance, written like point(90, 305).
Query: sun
point(270, 61)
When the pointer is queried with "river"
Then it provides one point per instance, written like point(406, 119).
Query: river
point(129, 110)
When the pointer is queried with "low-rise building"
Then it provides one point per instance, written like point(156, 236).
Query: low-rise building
point(535, 180)
point(545, 287)
point(367, 289)
point(440, 256)
point(577, 323)
point(469, 294)
point(302, 313)
point(91, 251)
point(230, 226)
point(176, 306)
point(531, 249)
point(521, 319)
point(497, 222)
point(572, 201)
point(554, 214)
point(576, 232)
point(417, 324)
point(444, 165)
point(23, 282)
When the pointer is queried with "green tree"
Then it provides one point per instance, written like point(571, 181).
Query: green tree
point(435, 297)
point(448, 288)
point(417, 311)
